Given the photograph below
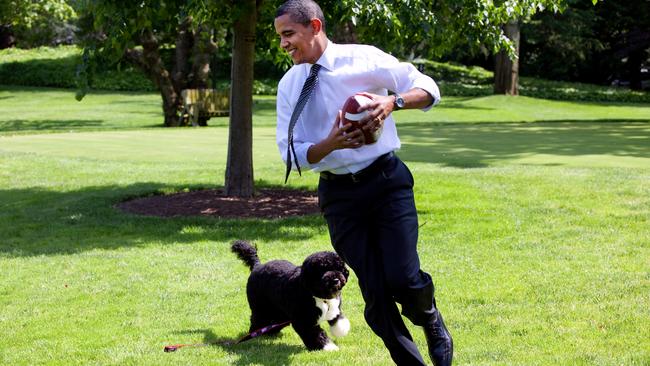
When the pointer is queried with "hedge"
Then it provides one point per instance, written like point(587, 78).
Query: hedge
point(56, 67)
point(458, 80)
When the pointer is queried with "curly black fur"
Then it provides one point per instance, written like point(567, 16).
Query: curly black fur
point(246, 253)
point(279, 291)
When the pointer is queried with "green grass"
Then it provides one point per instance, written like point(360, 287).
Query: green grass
point(535, 214)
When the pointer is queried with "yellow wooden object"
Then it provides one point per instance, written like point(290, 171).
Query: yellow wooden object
point(204, 103)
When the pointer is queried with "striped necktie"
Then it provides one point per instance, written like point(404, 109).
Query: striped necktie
point(307, 88)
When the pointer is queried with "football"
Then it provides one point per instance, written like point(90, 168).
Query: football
point(351, 115)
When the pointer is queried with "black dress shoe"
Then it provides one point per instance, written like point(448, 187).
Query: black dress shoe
point(439, 342)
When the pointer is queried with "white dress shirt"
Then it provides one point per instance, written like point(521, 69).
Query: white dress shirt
point(346, 70)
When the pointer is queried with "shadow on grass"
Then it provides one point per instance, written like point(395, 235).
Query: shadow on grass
point(458, 104)
point(481, 144)
point(273, 351)
point(48, 124)
point(37, 221)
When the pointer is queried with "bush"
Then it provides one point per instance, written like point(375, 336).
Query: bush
point(548, 89)
point(474, 81)
point(472, 75)
point(56, 67)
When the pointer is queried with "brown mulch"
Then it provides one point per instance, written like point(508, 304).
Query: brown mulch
point(267, 203)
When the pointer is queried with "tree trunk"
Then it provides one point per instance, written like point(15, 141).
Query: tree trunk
point(239, 167)
point(182, 54)
point(345, 33)
point(150, 62)
point(506, 71)
point(203, 50)
point(634, 63)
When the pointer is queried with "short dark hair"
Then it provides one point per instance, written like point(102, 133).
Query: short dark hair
point(301, 11)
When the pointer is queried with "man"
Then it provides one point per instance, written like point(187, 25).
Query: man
point(365, 191)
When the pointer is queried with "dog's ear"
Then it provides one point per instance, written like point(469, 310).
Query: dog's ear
point(341, 264)
point(307, 275)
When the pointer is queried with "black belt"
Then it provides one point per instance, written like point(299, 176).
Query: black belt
point(362, 174)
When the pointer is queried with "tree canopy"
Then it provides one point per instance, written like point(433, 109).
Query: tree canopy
point(407, 28)
point(38, 22)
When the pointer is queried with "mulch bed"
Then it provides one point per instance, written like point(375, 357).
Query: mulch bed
point(267, 203)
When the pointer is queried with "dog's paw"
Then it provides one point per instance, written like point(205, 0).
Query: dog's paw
point(341, 327)
point(330, 346)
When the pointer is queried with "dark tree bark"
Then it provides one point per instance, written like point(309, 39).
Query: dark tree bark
point(506, 71)
point(182, 54)
point(155, 68)
point(202, 53)
point(239, 167)
point(203, 50)
point(636, 44)
point(195, 45)
point(345, 33)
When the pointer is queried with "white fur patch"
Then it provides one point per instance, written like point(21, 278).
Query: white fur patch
point(322, 305)
point(330, 347)
point(340, 328)
point(329, 308)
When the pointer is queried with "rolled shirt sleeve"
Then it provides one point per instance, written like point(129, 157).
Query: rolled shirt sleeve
point(400, 77)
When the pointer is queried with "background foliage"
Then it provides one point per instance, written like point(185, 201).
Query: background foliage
point(597, 44)
point(55, 67)
point(38, 23)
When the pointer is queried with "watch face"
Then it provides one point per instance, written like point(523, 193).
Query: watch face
point(399, 101)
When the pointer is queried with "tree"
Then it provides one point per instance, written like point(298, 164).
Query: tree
point(506, 69)
point(606, 43)
point(239, 168)
point(427, 28)
point(562, 46)
point(37, 22)
point(142, 33)
point(624, 30)
point(506, 72)
point(424, 27)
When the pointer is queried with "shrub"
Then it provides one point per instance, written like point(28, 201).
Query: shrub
point(457, 80)
point(472, 75)
point(548, 89)
point(56, 67)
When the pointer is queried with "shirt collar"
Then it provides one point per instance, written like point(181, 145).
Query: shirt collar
point(326, 60)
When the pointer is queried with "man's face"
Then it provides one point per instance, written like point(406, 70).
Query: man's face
point(298, 40)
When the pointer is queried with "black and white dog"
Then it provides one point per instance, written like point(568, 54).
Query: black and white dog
point(306, 295)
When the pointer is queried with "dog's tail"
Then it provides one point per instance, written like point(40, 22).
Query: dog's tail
point(246, 252)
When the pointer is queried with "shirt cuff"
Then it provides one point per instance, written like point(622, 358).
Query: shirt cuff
point(301, 155)
point(430, 87)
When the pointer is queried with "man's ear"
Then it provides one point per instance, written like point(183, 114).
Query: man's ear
point(316, 25)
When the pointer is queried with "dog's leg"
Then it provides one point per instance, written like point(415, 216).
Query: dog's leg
point(314, 337)
point(263, 316)
point(339, 326)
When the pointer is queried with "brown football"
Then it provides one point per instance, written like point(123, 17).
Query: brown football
point(351, 115)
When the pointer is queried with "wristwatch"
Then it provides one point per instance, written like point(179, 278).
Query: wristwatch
point(398, 103)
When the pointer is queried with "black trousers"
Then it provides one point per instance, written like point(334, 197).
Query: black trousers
point(373, 226)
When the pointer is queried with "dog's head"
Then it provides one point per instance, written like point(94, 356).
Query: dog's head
point(324, 274)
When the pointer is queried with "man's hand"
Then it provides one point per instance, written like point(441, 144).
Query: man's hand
point(338, 138)
point(380, 108)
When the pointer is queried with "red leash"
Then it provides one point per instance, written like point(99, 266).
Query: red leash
point(251, 335)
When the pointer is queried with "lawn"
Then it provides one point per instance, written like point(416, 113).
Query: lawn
point(535, 222)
